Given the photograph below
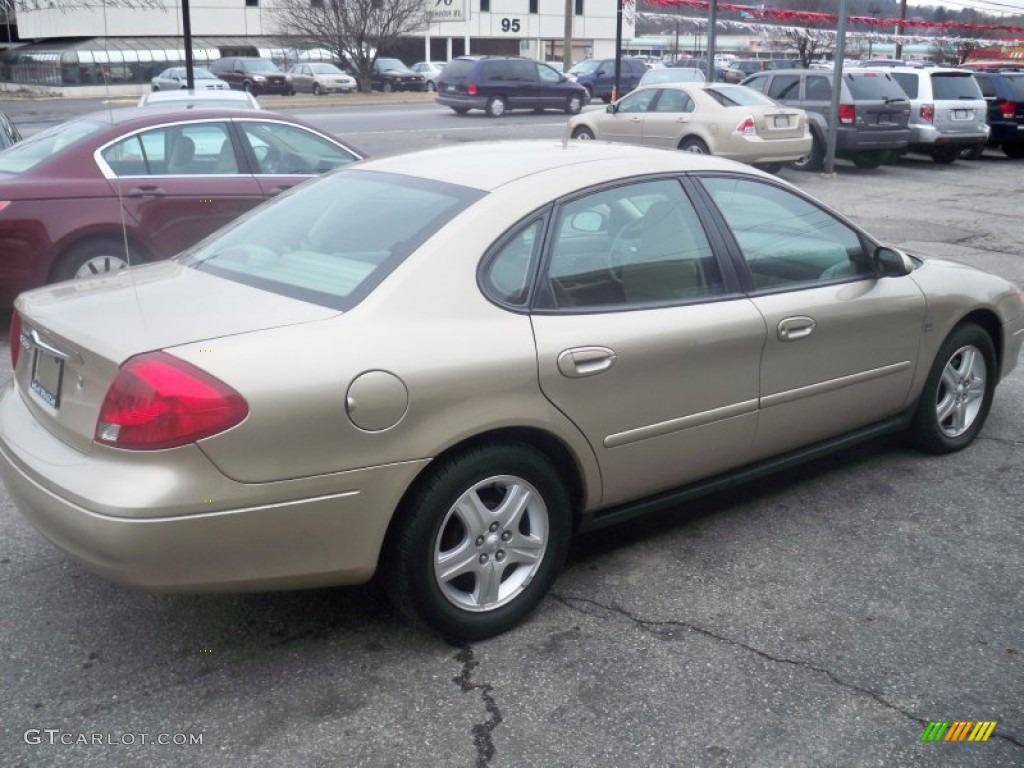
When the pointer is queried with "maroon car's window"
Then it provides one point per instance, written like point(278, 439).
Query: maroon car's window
point(786, 240)
point(175, 150)
point(331, 241)
point(289, 149)
point(629, 246)
point(28, 153)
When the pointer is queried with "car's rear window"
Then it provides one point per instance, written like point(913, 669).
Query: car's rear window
point(958, 85)
point(27, 154)
point(330, 242)
point(1016, 85)
point(873, 86)
point(739, 95)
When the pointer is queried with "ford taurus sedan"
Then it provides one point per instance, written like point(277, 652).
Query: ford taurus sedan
point(436, 367)
point(705, 118)
point(128, 185)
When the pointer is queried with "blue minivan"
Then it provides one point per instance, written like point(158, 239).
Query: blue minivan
point(497, 84)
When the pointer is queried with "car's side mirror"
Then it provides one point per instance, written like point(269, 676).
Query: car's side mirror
point(891, 262)
point(611, 109)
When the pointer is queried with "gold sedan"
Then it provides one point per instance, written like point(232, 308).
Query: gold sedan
point(730, 121)
point(436, 367)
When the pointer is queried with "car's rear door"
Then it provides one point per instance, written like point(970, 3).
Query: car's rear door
point(842, 343)
point(180, 182)
point(643, 341)
point(626, 122)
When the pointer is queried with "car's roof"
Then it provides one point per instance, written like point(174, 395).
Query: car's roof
point(155, 114)
point(489, 165)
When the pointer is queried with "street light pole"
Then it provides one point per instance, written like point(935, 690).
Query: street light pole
point(186, 27)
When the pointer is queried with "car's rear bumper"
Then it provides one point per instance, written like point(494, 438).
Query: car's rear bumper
point(175, 523)
point(754, 149)
point(864, 139)
point(461, 100)
point(933, 136)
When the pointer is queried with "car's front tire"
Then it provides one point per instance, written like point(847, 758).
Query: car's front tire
point(573, 104)
point(583, 133)
point(496, 106)
point(958, 393)
point(387, 87)
point(317, 90)
point(477, 544)
point(694, 146)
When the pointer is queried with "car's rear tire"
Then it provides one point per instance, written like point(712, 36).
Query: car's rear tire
point(496, 106)
point(101, 256)
point(573, 104)
point(971, 152)
point(813, 160)
point(478, 542)
point(695, 146)
point(1016, 151)
point(583, 133)
point(156, 88)
point(958, 393)
point(945, 155)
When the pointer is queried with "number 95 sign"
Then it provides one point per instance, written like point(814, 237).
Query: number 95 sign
point(509, 25)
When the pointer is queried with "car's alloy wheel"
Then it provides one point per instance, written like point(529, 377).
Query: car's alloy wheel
point(94, 257)
point(958, 393)
point(387, 87)
point(695, 146)
point(583, 133)
point(813, 160)
point(478, 544)
point(496, 106)
point(573, 105)
point(317, 90)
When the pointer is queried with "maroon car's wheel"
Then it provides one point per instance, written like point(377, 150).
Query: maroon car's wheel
point(477, 545)
point(958, 393)
point(102, 256)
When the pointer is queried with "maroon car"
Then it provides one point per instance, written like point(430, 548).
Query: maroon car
point(129, 185)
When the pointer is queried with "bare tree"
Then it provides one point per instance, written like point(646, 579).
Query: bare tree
point(353, 30)
point(810, 43)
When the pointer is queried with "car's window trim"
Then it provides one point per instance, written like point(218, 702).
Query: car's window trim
point(542, 216)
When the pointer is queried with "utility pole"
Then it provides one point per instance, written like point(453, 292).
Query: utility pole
point(186, 27)
point(709, 75)
point(618, 49)
point(899, 29)
point(567, 37)
point(837, 87)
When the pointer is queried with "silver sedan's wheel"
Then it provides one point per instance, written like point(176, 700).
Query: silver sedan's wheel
point(958, 393)
point(491, 543)
point(583, 133)
point(478, 541)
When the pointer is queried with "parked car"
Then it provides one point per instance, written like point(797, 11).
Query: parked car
point(874, 112)
point(430, 70)
point(598, 76)
point(128, 185)
point(537, 340)
point(1004, 101)
point(497, 84)
point(392, 75)
point(947, 111)
point(191, 99)
point(710, 119)
point(319, 78)
point(740, 69)
point(176, 78)
point(9, 133)
point(253, 74)
point(672, 75)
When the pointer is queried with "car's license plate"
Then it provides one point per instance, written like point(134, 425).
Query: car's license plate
point(451, 87)
point(782, 121)
point(963, 114)
point(47, 375)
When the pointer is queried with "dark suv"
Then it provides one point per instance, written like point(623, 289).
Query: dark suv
point(1004, 94)
point(251, 73)
point(598, 76)
point(497, 84)
point(874, 112)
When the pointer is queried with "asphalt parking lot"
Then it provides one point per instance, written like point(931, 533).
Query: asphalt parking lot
point(823, 617)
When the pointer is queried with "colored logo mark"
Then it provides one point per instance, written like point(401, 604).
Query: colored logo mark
point(958, 730)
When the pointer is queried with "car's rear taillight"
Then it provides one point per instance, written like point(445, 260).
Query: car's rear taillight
point(1007, 109)
point(14, 338)
point(746, 127)
point(847, 113)
point(927, 112)
point(471, 89)
point(158, 401)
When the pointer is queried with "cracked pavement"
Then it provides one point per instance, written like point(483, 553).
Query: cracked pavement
point(820, 617)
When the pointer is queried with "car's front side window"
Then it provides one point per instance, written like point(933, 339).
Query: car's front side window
point(786, 240)
point(630, 246)
point(637, 101)
point(288, 149)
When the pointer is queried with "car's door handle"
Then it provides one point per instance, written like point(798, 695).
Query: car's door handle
point(796, 328)
point(585, 361)
point(147, 191)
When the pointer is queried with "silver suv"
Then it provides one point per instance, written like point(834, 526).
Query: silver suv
point(947, 111)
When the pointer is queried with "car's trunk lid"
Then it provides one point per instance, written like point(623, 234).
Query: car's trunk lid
point(74, 336)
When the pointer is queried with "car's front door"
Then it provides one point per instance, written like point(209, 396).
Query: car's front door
point(643, 341)
point(626, 121)
point(842, 343)
point(180, 183)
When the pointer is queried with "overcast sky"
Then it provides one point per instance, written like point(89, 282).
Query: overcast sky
point(994, 7)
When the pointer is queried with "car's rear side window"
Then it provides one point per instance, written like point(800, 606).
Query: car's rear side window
point(908, 82)
point(332, 241)
point(874, 86)
point(1016, 85)
point(28, 153)
point(457, 69)
point(955, 86)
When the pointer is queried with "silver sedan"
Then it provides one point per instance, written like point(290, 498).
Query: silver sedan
point(176, 78)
